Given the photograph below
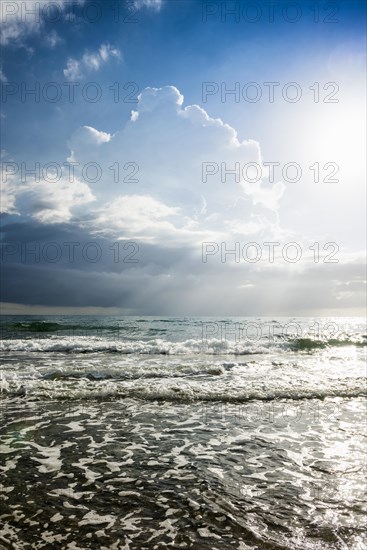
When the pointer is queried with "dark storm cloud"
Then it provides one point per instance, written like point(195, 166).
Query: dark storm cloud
point(164, 280)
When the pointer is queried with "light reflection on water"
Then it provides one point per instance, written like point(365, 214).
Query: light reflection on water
point(174, 441)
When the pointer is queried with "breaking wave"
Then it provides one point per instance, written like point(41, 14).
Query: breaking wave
point(158, 346)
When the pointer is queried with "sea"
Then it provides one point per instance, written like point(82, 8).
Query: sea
point(182, 432)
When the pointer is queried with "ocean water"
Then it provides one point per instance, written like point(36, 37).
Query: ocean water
point(150, 433)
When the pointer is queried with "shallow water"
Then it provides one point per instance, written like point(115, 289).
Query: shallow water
point(184, 440)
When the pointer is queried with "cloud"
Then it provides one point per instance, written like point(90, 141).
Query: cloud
point(23, 18)
point(90, 136)
point(7, 198)
point(153, 4)
point(166, 281)
point(73, 70)
point(45, 200)
point(54, 202)
point(151, 191)
point(150, 183)
point(3, 77)
point(76, 69)
point(159, 155)
point(52, 39)
point(137, 215)
point(9, 188)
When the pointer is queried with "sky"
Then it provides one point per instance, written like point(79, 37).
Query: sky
point(183, 157)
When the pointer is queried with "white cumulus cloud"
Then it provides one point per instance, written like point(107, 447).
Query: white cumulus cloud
point(157, 159)
point(151, 183)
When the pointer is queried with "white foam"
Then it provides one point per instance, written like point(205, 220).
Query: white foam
point(56, 517)
point(79, 344)
point(205, 533)
point(52, 462)
point(92, 518)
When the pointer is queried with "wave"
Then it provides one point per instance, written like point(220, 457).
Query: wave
point(147, 390)
point(305, 344)
point(158, 346)
point(116, 374)
point(149, 347)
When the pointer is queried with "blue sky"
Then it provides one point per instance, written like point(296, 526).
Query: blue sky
point(163, 52)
